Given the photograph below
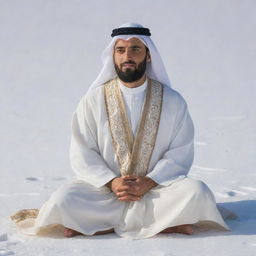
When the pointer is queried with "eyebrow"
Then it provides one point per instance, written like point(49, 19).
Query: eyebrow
point(133, 46)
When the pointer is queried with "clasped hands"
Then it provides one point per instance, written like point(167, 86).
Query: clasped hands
point(131, 188)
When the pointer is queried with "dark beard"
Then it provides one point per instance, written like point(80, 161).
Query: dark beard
point(129, 76)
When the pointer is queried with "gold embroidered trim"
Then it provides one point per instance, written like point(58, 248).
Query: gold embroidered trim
point(119, 127)
point(133, 154)
point(24, 214)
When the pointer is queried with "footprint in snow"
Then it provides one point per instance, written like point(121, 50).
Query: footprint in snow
point(3, 237)
point(33, 179)
point(6, 252)
point(231, 193)
point(236, 192)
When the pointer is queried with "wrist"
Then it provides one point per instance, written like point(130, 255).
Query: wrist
point(109, 184)
point(151, 182)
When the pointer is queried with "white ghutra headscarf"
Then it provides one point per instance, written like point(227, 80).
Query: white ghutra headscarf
point(155, 68)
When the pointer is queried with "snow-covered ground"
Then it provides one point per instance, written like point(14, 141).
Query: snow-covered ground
point(50, 53)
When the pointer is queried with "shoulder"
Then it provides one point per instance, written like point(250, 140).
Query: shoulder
point(93, 97)
point(172, 96)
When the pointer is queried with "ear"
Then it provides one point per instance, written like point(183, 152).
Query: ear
point(148, 57)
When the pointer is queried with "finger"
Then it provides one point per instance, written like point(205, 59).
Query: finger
point(122, 194)
point(129, 183)
point(138, 180)
point(133, 189)
point(129, 198)
point(123, 188)
point(127, 177)
point(125, 193)
point(130, 177)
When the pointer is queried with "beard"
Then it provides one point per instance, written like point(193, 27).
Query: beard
point(129, 75)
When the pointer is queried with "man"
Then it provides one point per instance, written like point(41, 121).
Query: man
point(131, 148)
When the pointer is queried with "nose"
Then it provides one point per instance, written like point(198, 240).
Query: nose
point(128, 55)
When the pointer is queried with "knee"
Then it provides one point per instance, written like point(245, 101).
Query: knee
point(63, 196)
point(198, 188)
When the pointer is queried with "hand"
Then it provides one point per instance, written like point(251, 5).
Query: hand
point(131, 188)
point(123, 189)
point(140, 184)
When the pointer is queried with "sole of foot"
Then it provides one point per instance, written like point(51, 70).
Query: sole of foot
point(71, 233)
point(182, 229)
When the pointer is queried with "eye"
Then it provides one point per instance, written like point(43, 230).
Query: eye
point(120, 50)
point(136, 49)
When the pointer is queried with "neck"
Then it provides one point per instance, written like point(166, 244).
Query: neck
point(135, 83)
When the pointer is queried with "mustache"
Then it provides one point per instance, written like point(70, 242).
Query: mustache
point(128, 62)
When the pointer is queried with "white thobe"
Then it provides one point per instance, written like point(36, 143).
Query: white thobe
point(133, 99)
point(92, 154)
point(88, 206)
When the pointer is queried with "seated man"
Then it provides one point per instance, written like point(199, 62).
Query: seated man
point(131, 148)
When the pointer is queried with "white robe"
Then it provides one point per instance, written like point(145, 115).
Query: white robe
point(92, 153)
point(88, 206)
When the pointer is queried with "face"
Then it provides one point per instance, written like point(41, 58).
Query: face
point(130, 58)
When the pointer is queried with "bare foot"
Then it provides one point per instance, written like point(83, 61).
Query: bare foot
point(68, 232)
point(104, 232)
point(182, 229)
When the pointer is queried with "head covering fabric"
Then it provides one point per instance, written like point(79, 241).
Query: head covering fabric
point(131, 31)
point(155, 68)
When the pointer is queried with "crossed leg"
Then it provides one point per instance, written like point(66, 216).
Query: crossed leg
point(199, 195)
point(182, 229)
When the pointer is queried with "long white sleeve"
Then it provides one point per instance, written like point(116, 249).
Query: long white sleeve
point(177, 160)
point(85, 157)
